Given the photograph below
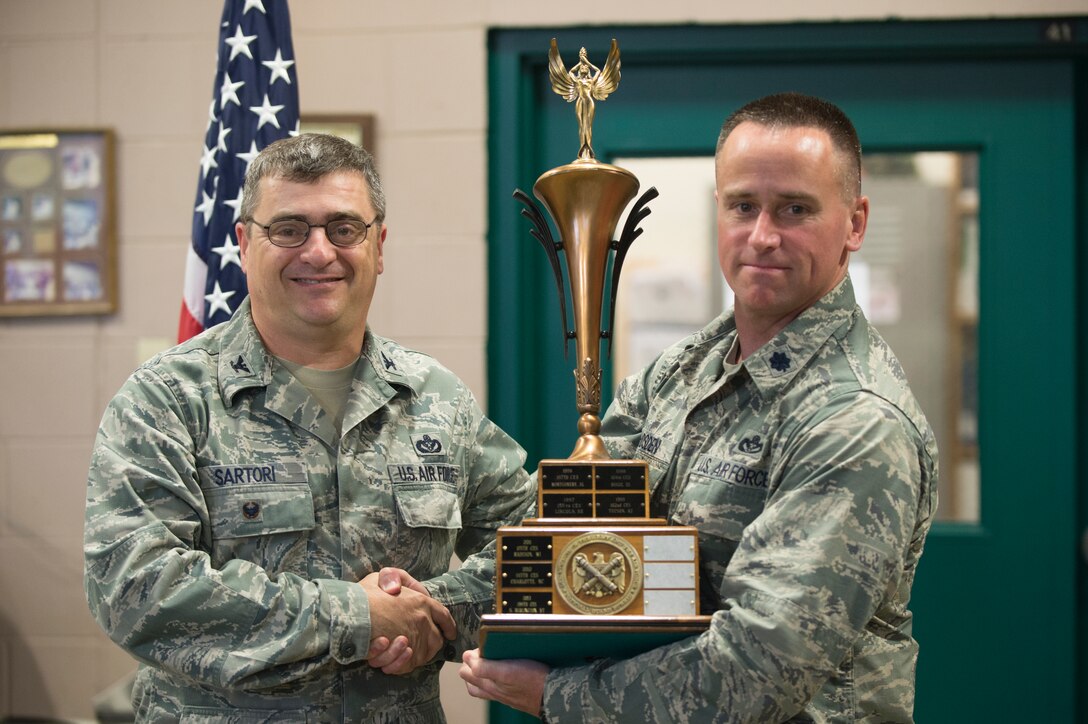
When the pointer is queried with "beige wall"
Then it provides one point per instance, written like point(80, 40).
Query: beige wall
point(145, 69)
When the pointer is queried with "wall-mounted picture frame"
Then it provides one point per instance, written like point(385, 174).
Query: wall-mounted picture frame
point(359, 128)
point(58, 244)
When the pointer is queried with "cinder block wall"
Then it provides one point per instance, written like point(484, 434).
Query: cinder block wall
point(145, 69)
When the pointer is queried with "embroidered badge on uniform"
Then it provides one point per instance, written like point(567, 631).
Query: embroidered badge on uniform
point(744, 473)
point(278, 473)
point(427, 445)
point(751, 445)
point(780, 362)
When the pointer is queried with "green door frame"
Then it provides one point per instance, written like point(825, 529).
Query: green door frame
point(526, 389)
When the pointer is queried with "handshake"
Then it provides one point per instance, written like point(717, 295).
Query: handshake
point(407, 626)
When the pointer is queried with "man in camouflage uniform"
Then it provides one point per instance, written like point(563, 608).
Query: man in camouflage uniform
point(244, 482)
point(786, 433)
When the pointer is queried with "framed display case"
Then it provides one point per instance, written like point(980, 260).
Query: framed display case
point(58, 246)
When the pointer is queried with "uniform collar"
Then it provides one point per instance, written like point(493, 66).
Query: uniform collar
point(387, 359)
point(776, 363)
point(244, 362)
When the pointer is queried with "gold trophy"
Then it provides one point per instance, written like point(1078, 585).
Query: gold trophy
point(593, 557)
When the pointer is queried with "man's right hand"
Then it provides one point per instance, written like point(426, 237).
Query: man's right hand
point(407, 626)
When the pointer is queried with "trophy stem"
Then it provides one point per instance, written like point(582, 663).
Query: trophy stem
point(590, 446)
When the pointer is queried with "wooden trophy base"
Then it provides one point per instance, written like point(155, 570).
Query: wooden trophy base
point(593, 576)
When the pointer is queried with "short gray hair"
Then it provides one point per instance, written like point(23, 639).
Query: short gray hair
point(305, 159)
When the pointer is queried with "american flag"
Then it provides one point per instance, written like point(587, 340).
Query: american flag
point(254, 102)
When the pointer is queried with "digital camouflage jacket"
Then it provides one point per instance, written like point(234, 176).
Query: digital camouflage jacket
point(811, 474)
point(228, 524)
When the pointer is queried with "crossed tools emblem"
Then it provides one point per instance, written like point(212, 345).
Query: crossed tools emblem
point(601, 573)
point(599, 578)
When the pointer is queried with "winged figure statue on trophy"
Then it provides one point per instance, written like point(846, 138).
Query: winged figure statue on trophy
point(584, 83)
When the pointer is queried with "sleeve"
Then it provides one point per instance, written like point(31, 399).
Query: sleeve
point(499, 493)
point(622, 424)
point(810, 572)
point(151, 585)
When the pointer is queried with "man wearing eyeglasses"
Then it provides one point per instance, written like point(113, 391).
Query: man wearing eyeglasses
point(248, 486)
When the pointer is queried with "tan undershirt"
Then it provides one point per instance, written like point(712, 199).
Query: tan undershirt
point(732, 357)
point(329, 387)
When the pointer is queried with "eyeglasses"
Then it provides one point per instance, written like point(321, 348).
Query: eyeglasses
point(290, 233)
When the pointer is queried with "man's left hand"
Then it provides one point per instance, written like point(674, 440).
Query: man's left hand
point(518, 683)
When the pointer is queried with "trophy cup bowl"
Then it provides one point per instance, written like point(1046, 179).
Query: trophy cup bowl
point(586, 199)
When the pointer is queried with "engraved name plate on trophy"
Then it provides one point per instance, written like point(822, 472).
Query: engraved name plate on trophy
point(594, 555)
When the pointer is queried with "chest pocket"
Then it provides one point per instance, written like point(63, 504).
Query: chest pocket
point(428, 505)
point(246, 500)
point(251, 510)
point(429, 519)
point(266, 524)
point(721, 501)
point(721, 497)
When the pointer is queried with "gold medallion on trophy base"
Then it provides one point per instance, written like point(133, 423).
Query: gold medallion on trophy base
point(598, 573)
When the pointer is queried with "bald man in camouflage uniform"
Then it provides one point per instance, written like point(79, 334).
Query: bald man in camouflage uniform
point(244, 482)
point(786, 433)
